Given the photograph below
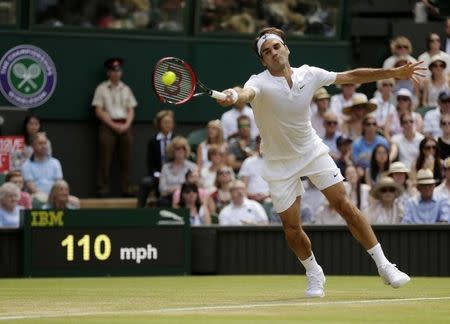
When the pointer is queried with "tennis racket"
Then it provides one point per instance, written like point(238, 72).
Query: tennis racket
point(185, 85)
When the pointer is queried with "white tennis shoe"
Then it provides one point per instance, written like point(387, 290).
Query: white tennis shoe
point(392, 276)
point(316, 281)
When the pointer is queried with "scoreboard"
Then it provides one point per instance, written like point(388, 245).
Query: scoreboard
point(91, 242)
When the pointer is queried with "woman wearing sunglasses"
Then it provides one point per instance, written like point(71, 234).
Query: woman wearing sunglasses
point(436, 83)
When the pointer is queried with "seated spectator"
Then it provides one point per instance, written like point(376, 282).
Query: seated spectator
point(436, 83)
point(321, 105)
point(173, 173)
point(312, 196)
point(242, 146)
point(250, 174)
point(433, 117)
point(386, 209)
point(384, 101)
point(9, 207)
point(214, 136)
point(41, 171)
point(433, 44)
point(357, 191)
point(17, 178)
point(413, 87)
point(190, 199)
point(344, 146)
point(428, 159)
point(443, 190)
point(241, 210)
point(400, 46)
point(229, 121)
point(31, 126)
point(426, 208)
point(404, 105)
point(208, 173)
point(156, 155)
point(192, 177)
point(400, 173)
point(405, 145)
point(444, 140)
point(356, 113)
point(364, 146)
point(59, 197)
point(331, 133)
point(327, 215)
point(343, 99)
point(222, 196)
point(379, 164)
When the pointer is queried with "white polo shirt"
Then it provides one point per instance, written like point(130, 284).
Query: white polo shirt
point(283, 118)
point(250, 212)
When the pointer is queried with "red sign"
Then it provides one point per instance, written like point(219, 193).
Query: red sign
point(11, 152)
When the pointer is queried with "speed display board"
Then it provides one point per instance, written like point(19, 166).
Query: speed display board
point(106, 242)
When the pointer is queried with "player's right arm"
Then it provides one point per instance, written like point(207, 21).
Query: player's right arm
point(244, 95)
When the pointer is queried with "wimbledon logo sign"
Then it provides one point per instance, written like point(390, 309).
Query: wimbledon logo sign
point(27, 76)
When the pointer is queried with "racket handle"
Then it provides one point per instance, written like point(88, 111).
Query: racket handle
point(218, 95)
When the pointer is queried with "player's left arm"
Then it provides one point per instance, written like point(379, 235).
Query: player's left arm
point(364, 75)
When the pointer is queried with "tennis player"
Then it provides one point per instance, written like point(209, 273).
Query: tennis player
point(280, 97)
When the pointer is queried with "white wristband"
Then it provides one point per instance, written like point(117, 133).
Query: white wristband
point(234, 95)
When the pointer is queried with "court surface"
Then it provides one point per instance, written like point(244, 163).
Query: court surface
point(221, 299)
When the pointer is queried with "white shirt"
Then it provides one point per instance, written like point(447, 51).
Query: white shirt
point(250, 212)
point(391, 60)
point(384, 109)
point(442, 191)
point(431, 123)
point(408, 151)
point(283, 117)
point(115, 99)
point(426, 59)
point(229, 121)
point(338, 102)
point(10, 219)
point(252, 168)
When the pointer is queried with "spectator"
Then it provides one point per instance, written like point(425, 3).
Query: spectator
point(114, 104)
point(426, 208)
point(173, 173)
point(229, 121)
point(400, 47)
point(41, 171)
point(385, 108)
point(386, 209)
point(364, 146)
point(241, 210)
point(192, 177)
point(31, 126)
point(443, 190)
point(404, 105)
point(379, 164)
point(436, 82)
point(321, 105)
point(331, 134)
point(433, 45)
point(444, 140)
point(357, 191)
point(306, 215)
point(214, 135)
point(327, 215)
point(356, 112)
point(17, 178)
point(58, 197)
point(400, 173)
point(343, 99)
point(222, 196)
point(250, 174)
point(190, 199)
point(156, 154)
point(433, 117)
point(9, 207)
point(447, 34)
point(428, 159)
point(344, 146)
point(405, 145)
point(242, 146)
point(208, 174)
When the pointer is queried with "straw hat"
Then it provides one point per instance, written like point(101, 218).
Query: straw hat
point(321, 93)
point(359, 100)
point(386, 182)
point(425, 177)
point(398, 167)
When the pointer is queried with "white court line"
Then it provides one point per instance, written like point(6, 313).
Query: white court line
point(219, 307)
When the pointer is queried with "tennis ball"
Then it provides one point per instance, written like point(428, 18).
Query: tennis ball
point(168, 78)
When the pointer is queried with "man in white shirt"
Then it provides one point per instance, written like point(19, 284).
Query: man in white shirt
point(322, 104)
point(280, 97)
point(229, 120)
point(241, 210)
point(432, 120)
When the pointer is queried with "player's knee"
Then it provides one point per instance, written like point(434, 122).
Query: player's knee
point(346, 209)
point(292, 231)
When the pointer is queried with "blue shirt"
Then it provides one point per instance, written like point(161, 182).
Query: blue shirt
point(362, 151)
point(418, 211)
point(43, 173)
point(10, 219)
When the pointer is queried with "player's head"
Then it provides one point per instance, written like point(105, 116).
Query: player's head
point(270, 40)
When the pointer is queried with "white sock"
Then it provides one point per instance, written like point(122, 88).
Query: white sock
point(310, 263)
point(377, 255)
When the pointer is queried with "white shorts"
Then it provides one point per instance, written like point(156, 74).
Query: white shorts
point(322, 172)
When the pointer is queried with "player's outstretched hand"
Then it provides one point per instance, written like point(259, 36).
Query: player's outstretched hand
point(410, 71)
point(231, 98)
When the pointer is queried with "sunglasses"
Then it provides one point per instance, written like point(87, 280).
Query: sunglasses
point(244, 126)
point(403, 98)
point(387, 85)
point(402, 46)
point(388, 189)
point(408, 121)
point(331, 122)
point(370, 124)
point(223, 172)
point(445, 123)
point(439, 65)
point(430, 147)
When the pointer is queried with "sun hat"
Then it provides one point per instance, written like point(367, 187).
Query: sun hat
point(359, 100)
point(386, 182)
point(398, 167)
point(403, 92)
point(321, 93)
point(437, 58)
point(425, 176)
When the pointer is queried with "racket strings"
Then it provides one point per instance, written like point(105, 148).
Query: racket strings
point(183, 86)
